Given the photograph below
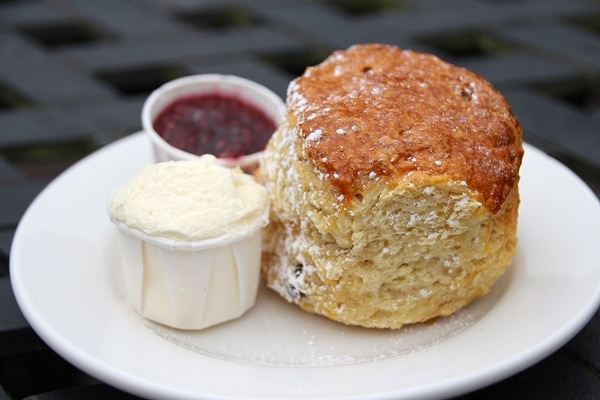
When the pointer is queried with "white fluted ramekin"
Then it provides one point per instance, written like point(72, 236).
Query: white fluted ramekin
point(191, 285)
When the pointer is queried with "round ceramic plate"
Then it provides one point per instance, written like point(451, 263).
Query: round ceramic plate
point(65, 275)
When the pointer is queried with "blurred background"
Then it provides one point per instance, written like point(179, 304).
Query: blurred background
point(74, 75)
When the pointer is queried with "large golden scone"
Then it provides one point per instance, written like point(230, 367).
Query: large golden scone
point(394, 188)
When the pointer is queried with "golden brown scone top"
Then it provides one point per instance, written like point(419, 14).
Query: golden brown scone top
point(378, 111)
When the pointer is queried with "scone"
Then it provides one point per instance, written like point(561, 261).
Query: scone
point(394, 188)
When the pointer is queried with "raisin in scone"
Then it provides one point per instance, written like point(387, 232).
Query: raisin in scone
point(394, 188)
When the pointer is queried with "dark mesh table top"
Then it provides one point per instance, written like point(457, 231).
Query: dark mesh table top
point(74, 75)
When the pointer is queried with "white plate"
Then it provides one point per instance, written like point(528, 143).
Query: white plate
point(64, 264)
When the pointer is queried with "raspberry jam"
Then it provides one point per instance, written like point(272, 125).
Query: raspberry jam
point(217, 124)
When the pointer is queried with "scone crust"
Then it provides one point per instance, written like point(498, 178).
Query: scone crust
point(426, 115)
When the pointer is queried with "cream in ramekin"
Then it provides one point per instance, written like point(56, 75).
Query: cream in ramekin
point(190, 241)
point(249, 93)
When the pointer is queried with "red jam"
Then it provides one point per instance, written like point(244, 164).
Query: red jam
point(217, 124)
